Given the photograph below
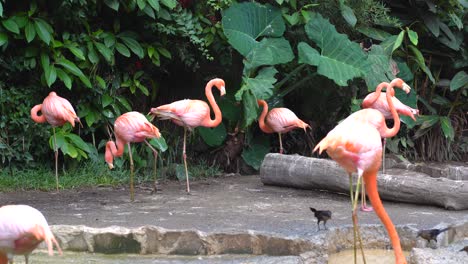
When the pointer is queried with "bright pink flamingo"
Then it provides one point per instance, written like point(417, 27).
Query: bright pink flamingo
point(356, 145)
point(377, 100)
point(278, 120)
point(193, 113)
point(56, 111)
point(131, 127)
point(22, 229)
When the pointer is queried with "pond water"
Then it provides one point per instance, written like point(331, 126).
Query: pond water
point(373, 256)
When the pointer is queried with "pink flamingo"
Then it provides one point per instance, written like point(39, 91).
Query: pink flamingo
point(131, 127)
point(193, 113)
point(279, 120)
point(356, 145)
point(56, 111)
point(377, 100)
point(22, 229)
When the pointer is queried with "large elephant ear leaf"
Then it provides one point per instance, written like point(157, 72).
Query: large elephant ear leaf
point(339, 59)
point(244, 23)
point(380, 68)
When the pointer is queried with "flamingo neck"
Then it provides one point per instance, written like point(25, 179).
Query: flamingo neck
point(390, 132)
point(113, 151)
point(368, 102)
point(34, 114)
point(217, 112)
point(261, 120)
point(370, 180)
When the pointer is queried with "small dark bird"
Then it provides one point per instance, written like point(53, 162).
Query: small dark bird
point(431, 234)
point(465, 249)
point(321, 216)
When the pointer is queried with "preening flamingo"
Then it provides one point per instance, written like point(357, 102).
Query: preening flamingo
point(22, 229)
point(56, 111)
point(131, 127)
point(278, 120)
point(193, 113)
point(356, 145)
point(378, 100)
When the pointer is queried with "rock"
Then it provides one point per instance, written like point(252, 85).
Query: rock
point(396, 185)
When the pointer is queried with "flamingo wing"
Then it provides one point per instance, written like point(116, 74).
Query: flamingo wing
point(188, 113)
point(283, 120)
point(134, 127)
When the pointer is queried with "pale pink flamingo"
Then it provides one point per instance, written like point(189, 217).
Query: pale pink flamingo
point(22, 229)
point(131, 127)
point(193, 113)
point(356, 145)
point(56, 111)
point(279, 120)
point(378, 100)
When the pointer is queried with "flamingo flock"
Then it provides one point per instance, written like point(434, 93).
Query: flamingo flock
point(355, 144)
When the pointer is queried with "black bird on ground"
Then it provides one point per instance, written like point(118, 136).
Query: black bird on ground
point(321, 215)
point(431, 234)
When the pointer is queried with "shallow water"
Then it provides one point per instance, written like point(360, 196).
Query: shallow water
point(374, 256)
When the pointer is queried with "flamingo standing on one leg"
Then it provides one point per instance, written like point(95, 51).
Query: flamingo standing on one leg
point(356, 145)
point(22, 229)
point(193, 113)
point(377, 100)
point(56, 111)
point(279, 120)
point(131, 127)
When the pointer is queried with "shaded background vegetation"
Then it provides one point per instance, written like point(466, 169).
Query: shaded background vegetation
point(108, 57)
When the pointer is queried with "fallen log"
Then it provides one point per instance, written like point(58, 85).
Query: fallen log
point(395, 185)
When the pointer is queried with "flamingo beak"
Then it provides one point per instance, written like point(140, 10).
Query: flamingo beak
point(223, 90)
point(406, 88)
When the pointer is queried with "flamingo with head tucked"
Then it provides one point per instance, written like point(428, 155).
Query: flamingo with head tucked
point(56, 111)
point(22, 229)
point(131, 127)
point(193, 113)
point(356, 145)
point(279, 120)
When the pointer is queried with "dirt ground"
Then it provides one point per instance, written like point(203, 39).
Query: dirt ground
point(228, 203)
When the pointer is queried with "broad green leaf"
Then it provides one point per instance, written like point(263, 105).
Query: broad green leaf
point(230, 109)
point(340, 59)
point(45, 62)
point(164, 52)
point(114, 4)
point(150, 51)
point(50, 75)
point(65, 78)
point(388, 43)
point(213, 137)
point(373, 33)
point(1, 9)
point(11, 25)
point(380, 69)
point(413, 36)
point(124, 103)
point(159, 143)
point(77, 52)
point(106, 100)
point(398, 41)
point(169, 3)
point(405, 72)
point(141, 4)
point(29, 32)
point(250, 106)
point(122, 49)
point(293, 19)
point(78, 142)
point(348, 14)
point(105, 51)
point(108, 113)
point(109, 39)
point(133, 45)
point(447, 127)
point(244, 23)
point(255, 154)
point(100, 82)
point(42, 30)
point(421, 62)
point(261, 86)
point(149, 12)
point(459, 80)
point(92, 55)
point(59, 140)
point(70, 150)
point(270, 51)
point(432, 23)
point(70, 66)
point(85, 80)
point(456, 20)
point(3, 38)
point(180, 173)
point(90, 118)
point(427, 105)
point(154, 4)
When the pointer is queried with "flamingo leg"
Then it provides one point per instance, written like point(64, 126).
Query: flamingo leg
point(281, 144)
point(132, 192)
point(351, 194)
point(363, 200)
point(355, 220)
point(184, 155)
point(383, 154)
point(155, 154)
point(56, 160)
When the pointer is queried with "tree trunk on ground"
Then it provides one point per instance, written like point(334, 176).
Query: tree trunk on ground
point(396, 185)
